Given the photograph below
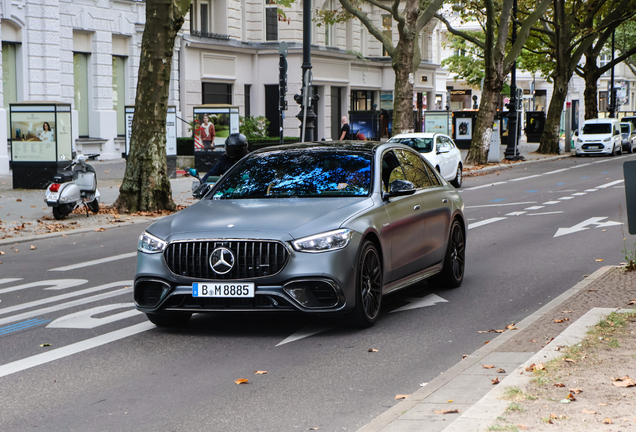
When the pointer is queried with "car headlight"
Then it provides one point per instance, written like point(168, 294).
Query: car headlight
point(150, 244)
point(607, 139)
point(328, 241)
point(579, 141)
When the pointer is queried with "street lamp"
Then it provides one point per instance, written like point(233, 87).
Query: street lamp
point(306, 99)
point(512, 153)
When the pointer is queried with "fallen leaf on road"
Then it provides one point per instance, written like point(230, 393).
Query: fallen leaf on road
point(486, 342)
point(19, 200)
point(463, 356)
point(312, 428)
point(540, 366)
point(99, 229)
point(16, 250)
point(33, 247)
point(1, 252)
point(495, 381)
point(500, 370)
point(33, 206)
point(372, 350)
point(530, 368)
point(511, 327)
point(607, 421)
point(588, 412)
point(45, 344)
point(566, 311)
point(599, 260)
point(534, 341)
point(625, 382)
point(452, 411)
point(558, 385)
point(601, 404)
point(488, 366)
point(259, 372)
point(633, 302)
point(575, 390)
point(241, 381)
point(570, 397)
point(400, 397)
point(569, 360)
point(522, 427)
point(449, 401)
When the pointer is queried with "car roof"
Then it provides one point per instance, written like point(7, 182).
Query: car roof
point(598, 120)
point(334, 146)
point(417, 135)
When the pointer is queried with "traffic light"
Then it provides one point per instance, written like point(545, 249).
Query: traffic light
point(282, 82)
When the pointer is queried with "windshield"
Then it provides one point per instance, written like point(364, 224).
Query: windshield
point(422, 145)
point(625, 128)
point(298, 174)
point(596, 128)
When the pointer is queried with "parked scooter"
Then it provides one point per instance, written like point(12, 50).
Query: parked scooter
point(74, 188)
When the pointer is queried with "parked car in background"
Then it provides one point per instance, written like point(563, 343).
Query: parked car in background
point(599, 136)
point(440, 150)
point(316, 228)
point(628, 134)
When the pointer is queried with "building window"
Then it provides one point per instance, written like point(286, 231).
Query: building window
point(271, 21)
point(603, 102)
point(204, 17)
point(248, 100)
point(217, 93)
point(80, 77)
point(9, 77)
point(387, 25)
point(362, 100)
point(329, 29)
point(604, 59)
point(119, 92)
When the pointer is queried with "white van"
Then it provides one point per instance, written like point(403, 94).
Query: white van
point(599, 136)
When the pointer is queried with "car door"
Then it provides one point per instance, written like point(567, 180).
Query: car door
point(406, 228)
point(436, 208)
point(444, 156)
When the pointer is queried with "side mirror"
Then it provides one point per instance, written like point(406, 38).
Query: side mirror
point(201, 190)
point(442, 150)
point(399, 188)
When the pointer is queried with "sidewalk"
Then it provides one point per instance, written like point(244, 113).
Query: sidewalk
point(465, 399)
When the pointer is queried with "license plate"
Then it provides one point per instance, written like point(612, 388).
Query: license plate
point(52, 196)
point(223, 290)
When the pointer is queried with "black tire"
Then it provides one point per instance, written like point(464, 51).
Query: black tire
point(452, 274)
point(457, 182)
point(93, 206)
point(173, 319)
point(59, 213)
point(368, 288)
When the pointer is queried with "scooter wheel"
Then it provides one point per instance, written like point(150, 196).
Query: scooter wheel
point(58, 214)
point(93, 206)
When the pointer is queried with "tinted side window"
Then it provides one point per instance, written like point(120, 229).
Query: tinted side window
point(414, 169)
point(391, 170)
point(432, 173)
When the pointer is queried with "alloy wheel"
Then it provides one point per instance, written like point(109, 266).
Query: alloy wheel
point(371, 283)
point(458, 252)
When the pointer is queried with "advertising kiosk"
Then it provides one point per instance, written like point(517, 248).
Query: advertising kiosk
point(211, 125)
point(41, 142)
point(463, 126)
point(365, 125)
point(171, 137)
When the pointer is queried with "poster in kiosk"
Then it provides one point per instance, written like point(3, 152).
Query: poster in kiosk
point(212, 124)
point(41, 142)
point(171, 137)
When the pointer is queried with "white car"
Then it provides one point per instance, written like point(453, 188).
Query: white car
point(439, 150)
point(600, 136)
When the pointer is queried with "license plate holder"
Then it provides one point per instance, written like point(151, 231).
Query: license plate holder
point(52, 196)
point(223, 289)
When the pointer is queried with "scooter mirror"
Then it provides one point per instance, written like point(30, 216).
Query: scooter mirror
point(193, 172)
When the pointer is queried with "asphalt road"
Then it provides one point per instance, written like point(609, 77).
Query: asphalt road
point(534, 231)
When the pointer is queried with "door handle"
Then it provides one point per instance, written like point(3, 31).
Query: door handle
point(417, 207)
point(444, 200)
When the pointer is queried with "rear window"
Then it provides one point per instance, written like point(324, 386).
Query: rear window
point(422, 145)
point(596, 128)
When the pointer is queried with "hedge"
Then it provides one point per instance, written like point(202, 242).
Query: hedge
point(185, 145)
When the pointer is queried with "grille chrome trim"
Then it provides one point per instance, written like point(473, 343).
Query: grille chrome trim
point(190, 258)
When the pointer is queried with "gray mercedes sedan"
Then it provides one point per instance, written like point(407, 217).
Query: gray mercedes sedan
point(317, 228)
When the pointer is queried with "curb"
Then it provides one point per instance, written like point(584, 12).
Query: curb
point(507, 166)
point(385, 419)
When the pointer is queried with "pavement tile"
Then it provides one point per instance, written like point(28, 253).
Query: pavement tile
point(465, 396)
point(464, 382)
point(427, 410)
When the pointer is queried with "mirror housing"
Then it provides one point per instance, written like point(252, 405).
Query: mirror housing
point(399, 188)
point(201, 190)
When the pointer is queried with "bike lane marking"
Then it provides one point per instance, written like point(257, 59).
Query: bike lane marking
point(55, 284)
point(59, 353)
point(94, 262)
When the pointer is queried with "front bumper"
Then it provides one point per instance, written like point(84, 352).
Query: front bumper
point(594, 148)
point(309, 282)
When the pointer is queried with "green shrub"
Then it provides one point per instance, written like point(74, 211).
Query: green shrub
point(254, 127)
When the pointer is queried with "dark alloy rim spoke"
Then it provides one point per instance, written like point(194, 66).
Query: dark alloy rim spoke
point(370, 289)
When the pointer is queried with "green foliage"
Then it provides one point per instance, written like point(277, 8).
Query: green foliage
point(468, 63)
point(254, 128)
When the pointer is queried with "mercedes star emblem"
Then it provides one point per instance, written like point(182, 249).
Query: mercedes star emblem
point(222, 260)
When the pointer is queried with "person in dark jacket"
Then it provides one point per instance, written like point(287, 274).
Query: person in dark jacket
point(235, 149)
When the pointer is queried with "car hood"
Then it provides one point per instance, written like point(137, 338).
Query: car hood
point(594, 137)
point(280, 219)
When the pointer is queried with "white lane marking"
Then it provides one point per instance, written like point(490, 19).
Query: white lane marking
point(53, 299)
point(545, 213)
point(38, 312)
point(591, 190)
point(619, 187)
point(566, 198)
point(525, 178)
point(95, 262)
point(485, 186)
point(534, 208)
point(585, 225)
point(415, 303)
point(606, 185)
point(582, 165)
point(551, 202)
point(485, 222)
point(56, 354)
point(55, 284)
point(9, 280)
point(557, 171)
point(603, 161)
point(579, 194)
point(563, 191)
point(84, 319)
point(517, 213)
point(303, 333)
point(502, 205)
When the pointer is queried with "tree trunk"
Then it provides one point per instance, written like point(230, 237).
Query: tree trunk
point(591, 76)
point(146, 186)
point(403, 65)
point(480, 144)
point(549, 143)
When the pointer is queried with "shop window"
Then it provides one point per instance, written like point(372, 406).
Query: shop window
point(217, 93)
point(362, 100)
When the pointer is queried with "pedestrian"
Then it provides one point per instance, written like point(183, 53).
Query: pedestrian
point(345, 129)
point(207, 134)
